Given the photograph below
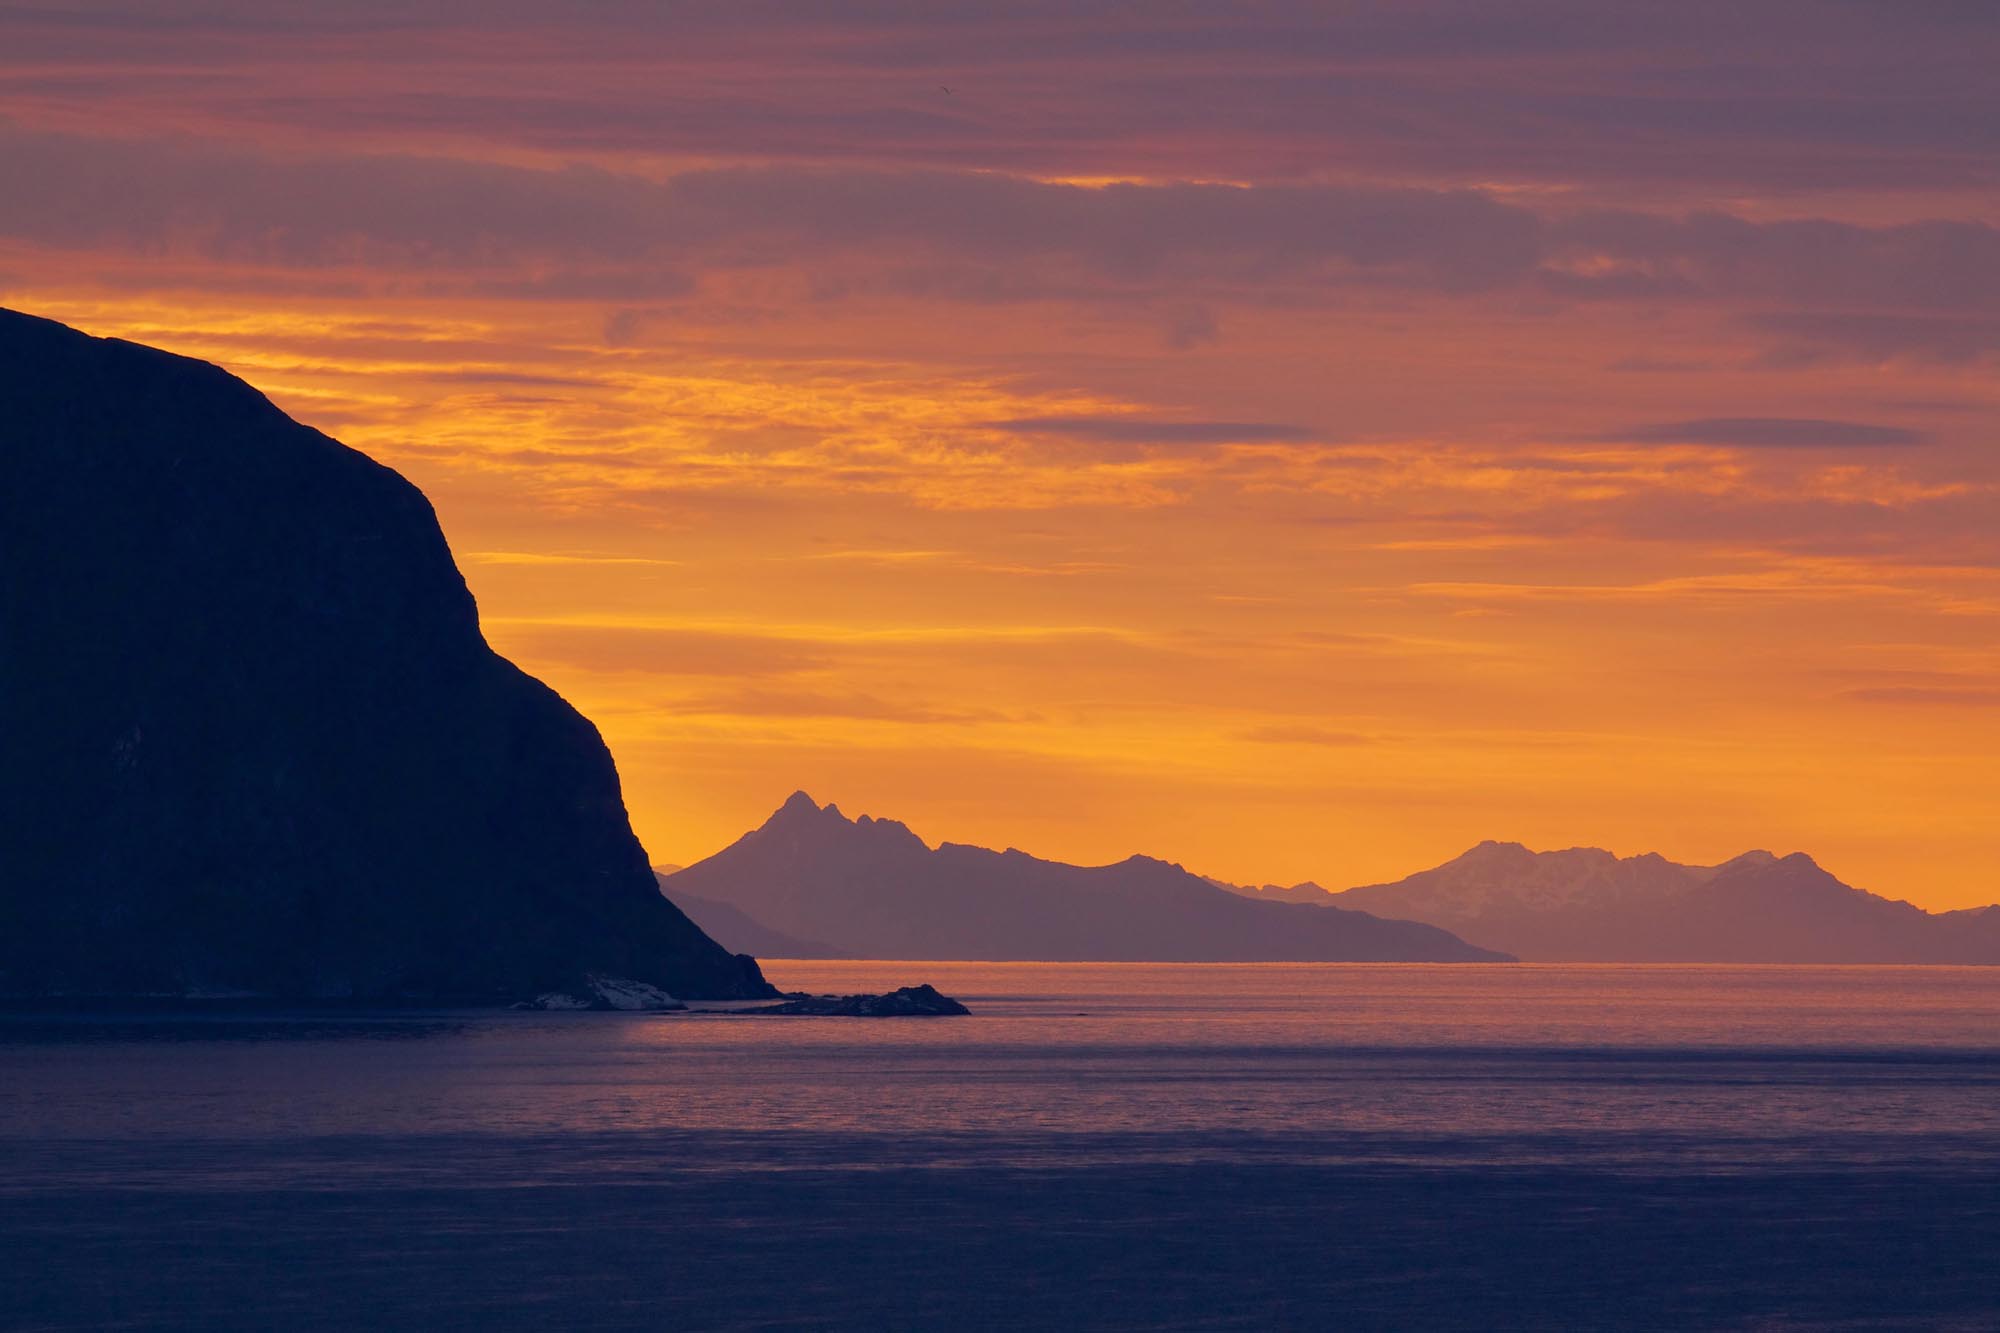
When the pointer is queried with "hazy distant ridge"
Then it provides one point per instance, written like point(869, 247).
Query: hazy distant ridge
point(1586, 905)
point(872, 888)
point(737, 930)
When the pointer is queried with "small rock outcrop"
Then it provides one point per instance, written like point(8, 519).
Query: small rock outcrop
point(908, 1002)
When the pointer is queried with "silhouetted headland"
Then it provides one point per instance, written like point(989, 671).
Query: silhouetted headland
point(1586, 905)
point(255, 744)
point(873, 889)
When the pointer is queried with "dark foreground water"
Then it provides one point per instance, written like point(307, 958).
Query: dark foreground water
point(1100, 1146)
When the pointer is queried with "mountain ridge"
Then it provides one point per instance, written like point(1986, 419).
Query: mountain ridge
point(873, 888)
point(737, 930)
point(1585, 904)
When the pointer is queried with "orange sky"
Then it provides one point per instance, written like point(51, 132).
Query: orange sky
point(1296, 446)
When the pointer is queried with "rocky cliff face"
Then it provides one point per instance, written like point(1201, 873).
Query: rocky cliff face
point(254, 740)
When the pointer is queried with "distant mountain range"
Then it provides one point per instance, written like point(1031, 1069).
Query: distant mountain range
point(812, 883)
point(1587, 905)
point(871, 888)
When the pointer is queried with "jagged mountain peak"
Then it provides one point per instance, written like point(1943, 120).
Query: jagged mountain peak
point(799, 802)
point(801, 810)
point(1794, 865)
point(1488, 848)
point(825, 825)
point(1755, 857)
point(872, 888)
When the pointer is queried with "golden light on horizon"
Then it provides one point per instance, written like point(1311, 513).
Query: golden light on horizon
point(1287, 514)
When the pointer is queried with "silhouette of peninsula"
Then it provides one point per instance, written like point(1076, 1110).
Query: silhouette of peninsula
point(1587, 905)
point(871, 888)
point(254, 740)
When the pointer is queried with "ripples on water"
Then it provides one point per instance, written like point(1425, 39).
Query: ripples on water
point(1405, 1141)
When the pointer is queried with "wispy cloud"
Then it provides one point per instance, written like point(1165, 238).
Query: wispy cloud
point(1151, 430)
point(1913, 694)
point(1813, 96)
point(1771, 433)
point(560, 558)
point(1286, 734)
point(452, 227)
point(1807, 337)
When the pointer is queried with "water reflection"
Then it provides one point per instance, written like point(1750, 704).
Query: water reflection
point(1098, 1146)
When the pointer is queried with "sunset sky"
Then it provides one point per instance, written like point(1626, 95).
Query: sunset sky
point(1295, 441)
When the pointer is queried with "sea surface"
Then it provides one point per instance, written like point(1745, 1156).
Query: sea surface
point(1098, 1146)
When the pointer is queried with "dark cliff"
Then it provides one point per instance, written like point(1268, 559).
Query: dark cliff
point(254, 740)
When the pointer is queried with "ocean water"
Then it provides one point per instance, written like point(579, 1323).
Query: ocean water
point(1098, 1146)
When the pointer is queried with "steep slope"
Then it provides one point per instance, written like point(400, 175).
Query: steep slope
point(733, 928)
point(1586, 905)
point(873, 888)
point(254, 738)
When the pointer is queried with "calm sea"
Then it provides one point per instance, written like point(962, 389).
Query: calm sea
point(1099, 1146)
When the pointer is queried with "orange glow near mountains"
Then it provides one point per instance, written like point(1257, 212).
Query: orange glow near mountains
point(1543, 474)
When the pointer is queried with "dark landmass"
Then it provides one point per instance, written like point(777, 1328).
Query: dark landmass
point(255, 743)
point(872, 889)
point(907, 1002)
point(733, 928)
point(605, 995)
point(1587, 905)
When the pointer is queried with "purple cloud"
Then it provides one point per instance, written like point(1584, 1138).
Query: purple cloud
point(1771, 433)
point(1814, 94)
point(586, 234)
point(1147, 430)
point(1808, 337)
